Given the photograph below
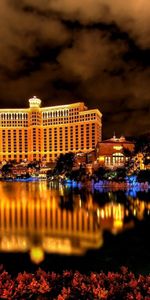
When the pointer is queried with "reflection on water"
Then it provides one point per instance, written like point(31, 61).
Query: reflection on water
point(39, 218)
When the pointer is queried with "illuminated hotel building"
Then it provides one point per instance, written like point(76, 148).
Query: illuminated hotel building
point(37, 132)
point(111, 152)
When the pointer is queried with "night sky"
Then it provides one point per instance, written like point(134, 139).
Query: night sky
point(64, 51)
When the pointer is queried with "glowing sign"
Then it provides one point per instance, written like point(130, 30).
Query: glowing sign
point(117, 147)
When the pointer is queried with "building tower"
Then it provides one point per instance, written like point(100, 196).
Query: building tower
point(36, 132)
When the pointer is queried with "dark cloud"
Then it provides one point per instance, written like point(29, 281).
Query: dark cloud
point(65, 51)
point(130, 15)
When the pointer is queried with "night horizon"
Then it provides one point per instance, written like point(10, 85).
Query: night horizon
point(74, 149)
point(65, 52)
point(107, 132)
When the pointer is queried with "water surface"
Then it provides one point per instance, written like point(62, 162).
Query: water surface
point(59, 227)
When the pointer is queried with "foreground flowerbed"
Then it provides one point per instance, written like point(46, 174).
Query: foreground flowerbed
point(74, 285)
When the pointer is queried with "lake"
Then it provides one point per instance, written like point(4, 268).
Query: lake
point(55, 227)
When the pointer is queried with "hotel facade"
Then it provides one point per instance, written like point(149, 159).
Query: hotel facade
point(37, 133)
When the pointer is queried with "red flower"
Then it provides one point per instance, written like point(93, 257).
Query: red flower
point(69, 285)
point(139, 296)
point(60, 297)
point(133, 284)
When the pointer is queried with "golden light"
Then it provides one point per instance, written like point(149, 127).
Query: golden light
point(102, 214)
point(37, 255)
point(118, 223)
point(117, 226)
point(117, 147)
point(101, 158)
point(57, 245)
point(34, 102)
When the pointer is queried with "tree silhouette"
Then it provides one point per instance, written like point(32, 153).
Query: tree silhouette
point(64, 163)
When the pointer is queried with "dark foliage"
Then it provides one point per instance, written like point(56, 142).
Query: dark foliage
point(64, 163)
point(74, 285)
point(143, 176)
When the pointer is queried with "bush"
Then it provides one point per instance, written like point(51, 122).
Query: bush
point(74, 285)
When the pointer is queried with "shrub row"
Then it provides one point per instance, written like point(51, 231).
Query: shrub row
point(74, 285)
